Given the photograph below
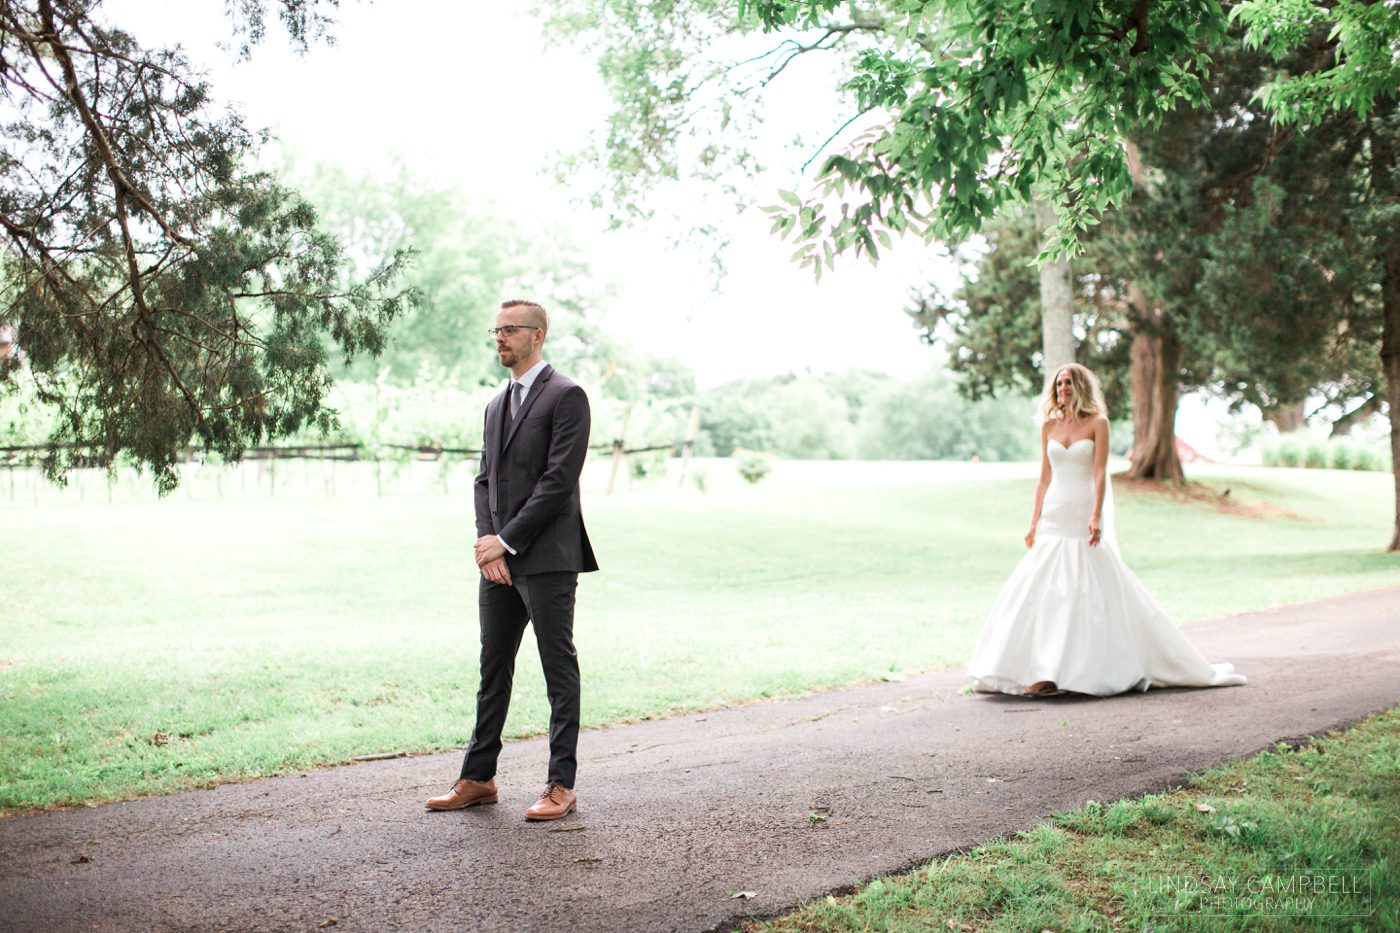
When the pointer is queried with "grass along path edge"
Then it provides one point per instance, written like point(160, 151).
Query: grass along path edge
point(1303, 837)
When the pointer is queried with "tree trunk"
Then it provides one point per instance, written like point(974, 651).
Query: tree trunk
point(1155, 361)
point(1390, 362)
point(1285, 417)
point(1056, 302)
point(1384, 169)
point(1155, 358)
point(1142, 375)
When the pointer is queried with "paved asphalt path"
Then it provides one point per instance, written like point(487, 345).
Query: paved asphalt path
point(676, 814)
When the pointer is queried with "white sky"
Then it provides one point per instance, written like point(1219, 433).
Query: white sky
point(468, 94)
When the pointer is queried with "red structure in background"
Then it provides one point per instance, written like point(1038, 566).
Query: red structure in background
point(1185, 451)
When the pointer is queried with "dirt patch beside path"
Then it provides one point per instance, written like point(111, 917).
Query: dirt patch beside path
point(1231, 500)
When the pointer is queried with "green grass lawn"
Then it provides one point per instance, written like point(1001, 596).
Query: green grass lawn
point(1303, 839)
point(151, 646)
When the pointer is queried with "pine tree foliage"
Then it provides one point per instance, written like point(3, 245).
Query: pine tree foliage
point(991, 323)
point(164, 292)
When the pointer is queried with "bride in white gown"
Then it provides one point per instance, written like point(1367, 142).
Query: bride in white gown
point(1072, 617)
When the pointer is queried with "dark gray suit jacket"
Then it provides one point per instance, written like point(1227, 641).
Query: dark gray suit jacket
point(527, 489)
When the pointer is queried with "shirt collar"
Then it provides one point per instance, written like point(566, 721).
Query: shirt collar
point(533, 373)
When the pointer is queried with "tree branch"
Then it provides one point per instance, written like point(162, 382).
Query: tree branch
point(72, 90)
point(839, 130)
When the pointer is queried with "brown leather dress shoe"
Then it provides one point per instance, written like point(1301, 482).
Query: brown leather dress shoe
point(465, 793)
point(555, 802)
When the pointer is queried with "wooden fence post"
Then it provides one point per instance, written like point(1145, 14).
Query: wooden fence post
point(689, 445)
point(618, 443)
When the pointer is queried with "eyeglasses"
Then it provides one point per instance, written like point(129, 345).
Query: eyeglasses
point(508, 330)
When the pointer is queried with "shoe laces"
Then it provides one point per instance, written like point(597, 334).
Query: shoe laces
point(550, 791)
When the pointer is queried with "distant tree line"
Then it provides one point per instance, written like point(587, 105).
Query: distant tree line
point(864, 415)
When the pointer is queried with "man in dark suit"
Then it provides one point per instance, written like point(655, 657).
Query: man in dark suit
point(531, 547)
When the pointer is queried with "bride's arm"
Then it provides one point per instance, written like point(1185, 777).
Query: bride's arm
point(1041, 486)
point(1100, 477)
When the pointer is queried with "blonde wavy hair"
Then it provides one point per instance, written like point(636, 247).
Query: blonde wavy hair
point(1085, 396)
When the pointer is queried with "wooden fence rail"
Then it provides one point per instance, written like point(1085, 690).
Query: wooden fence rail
point(19, 457)
point(32, 455)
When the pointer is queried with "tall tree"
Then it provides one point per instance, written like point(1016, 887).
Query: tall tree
point(1383, 137)
point(955, 130)
point(1253, 246)
point(163, 290)
point(1357, 71)
point(1056, 299)
point(977, 104)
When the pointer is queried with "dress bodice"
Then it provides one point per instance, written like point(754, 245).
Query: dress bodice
point(1077, 458)
point(1069, 501)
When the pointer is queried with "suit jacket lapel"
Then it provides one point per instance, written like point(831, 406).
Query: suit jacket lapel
point(530, 397)
point(494, 441)
point(498, 432)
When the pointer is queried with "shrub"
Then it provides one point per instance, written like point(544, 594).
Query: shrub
point(1341, 455)
point(1289, 451)
point(647, 465)
point(1372, 457)
point(1297, 450)
point(754, 467)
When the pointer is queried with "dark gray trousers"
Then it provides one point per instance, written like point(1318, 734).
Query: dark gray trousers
point(547, 601)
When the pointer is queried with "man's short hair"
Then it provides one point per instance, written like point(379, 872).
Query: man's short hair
point(535, 312)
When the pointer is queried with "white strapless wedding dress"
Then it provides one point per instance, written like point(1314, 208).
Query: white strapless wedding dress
point(1075, 615)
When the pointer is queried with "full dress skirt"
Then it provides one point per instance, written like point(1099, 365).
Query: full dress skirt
point(1075, 615)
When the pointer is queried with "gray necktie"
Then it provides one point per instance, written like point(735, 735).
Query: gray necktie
point(515, 390)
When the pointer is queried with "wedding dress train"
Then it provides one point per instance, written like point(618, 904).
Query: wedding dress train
point(1075, 615)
